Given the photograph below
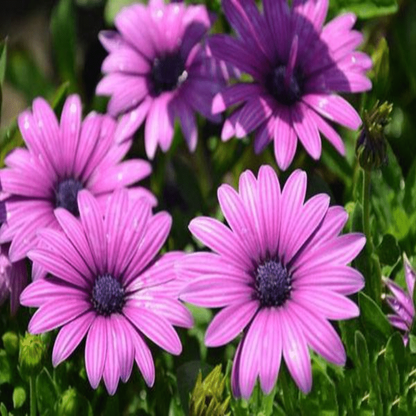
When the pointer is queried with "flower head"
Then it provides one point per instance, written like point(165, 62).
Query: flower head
point(279, 271)
point(108, 285)
point(158, 69)
point(401, 302)
point(297, 66)
point(60, 160)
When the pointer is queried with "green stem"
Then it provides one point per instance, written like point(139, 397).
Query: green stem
point(375, 278)
point(366, 209)
point(32, 396)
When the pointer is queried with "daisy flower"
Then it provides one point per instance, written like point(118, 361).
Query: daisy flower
point(401, 302)
point(297, 66)
point(158, 69)
point(106, 284)
point(279, 272)
point(60, 160)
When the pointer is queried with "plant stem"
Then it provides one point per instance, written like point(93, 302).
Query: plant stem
point(375, 278)
point(366, 209)
point(32, 396)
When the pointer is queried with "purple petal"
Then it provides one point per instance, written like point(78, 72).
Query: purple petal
point(93, 224)
point(234, 95)
point(188, 123)
point(307, 130)
point(334, 108)
point(70, 336)
point(293, 196)
point(220, 239)
point(216, 291)
point(96, 350)
point(250, 353)
point(271, 352)
point(410, 275)
point(111, 373)
point(132, 120)
point(155, 327)
point(159, 125)
point(320, 335)
point(229, 323)
point(285, 140)
point(126, 60)
point(323, 301)
point(295, 351)
point(54, 314)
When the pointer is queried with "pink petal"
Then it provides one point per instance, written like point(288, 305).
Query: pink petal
point(295, 351)
point(111, 373)
point(93, 224)
point(96, 350)
point(330, 304)
point(320, 335)
point(285, 140)
point(54, 314)
point(271, 352)
point(156, 328)
point(213, 291)
point(70, 336)
point(229, 323)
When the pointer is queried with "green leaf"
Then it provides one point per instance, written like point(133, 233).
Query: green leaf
point(412, 343)
point(3, 56)
point(64, 40)
point(45, 392)
point(24, 74)
point(3, 410)
point(366, 9)
point(409, 200)
point(372, 317)
point(5, 368)
point(114, 6)
point(388, 251)
point(19, 397)
point(362, 358)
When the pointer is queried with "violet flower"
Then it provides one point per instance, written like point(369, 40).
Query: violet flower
point(297, 67)
point(279, 272)
point(108, 285)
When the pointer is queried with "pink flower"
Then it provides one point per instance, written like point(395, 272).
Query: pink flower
point(279, 272)
point(401, 302)
point(158, 69)
point(60, 160)
point(108, 284)
point(297, 66)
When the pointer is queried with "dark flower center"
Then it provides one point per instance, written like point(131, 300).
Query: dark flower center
point(286, 90)
point(168, 73)
point(273, 283)
point(66, 195)
point(107, 295)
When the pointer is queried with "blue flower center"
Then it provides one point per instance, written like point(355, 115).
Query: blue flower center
point(107, 295)
point(273, 283)
point(285, 91)
point(168, 73)
point(66, 195)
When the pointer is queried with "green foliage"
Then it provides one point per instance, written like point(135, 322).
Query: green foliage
point(64, 41)
point(366, 9)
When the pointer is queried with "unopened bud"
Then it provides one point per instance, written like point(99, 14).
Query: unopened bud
point(31, 354)
point(371, 145)
point(207, 396)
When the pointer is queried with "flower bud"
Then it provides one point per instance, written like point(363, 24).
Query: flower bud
point(371, 148)
point(11, 343)
point(206, 398)
point(31, 355)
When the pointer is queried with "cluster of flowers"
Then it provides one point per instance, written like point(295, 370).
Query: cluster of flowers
point(279, 270)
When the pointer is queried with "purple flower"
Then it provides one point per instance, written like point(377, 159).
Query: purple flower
point(158, 69)
point(401, 302)
point(296, 66)
point(108, 285)
point(13, 279)
point(279, 271)
point(60, 160)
